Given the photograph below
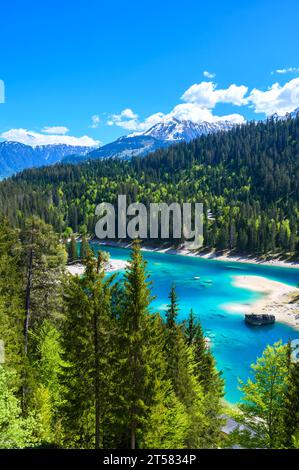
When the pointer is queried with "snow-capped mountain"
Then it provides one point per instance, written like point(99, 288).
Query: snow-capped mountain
point(15, 156)
point(162, 134)
point(174, 130)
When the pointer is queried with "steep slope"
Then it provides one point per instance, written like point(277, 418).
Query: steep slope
point(125, 148)
point(162, 134)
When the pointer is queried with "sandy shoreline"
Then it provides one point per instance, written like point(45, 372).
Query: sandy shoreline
point(207, 255)
point(279, 299)
point(112, 265)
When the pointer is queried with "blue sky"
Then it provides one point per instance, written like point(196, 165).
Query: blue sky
point(129, 64)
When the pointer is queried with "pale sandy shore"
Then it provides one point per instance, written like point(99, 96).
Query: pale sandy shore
point(112, 265)
point(277, 299)
point(228, 257)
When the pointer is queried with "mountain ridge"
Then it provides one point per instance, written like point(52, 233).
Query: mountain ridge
point(16, 156)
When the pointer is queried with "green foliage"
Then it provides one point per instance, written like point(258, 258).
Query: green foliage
point(15, 431)
point(87, 353)
point(291, 402)
point(247, 179)
point(102, 370)
point(264, 397)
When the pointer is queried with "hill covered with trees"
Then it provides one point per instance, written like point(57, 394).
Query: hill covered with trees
point(247, 178)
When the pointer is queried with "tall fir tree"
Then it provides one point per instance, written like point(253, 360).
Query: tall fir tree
point(142, 359)
point(87, 353)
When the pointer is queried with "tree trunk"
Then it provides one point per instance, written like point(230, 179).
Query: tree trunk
point(96, 379)
point(133, 435)
point(27, 302)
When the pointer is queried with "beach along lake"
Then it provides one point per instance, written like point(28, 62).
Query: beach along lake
point(209, 287)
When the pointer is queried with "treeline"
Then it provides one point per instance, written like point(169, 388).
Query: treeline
point(248, 180)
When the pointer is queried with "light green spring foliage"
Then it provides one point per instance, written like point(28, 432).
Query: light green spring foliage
point(167, 424)
point(264, 397)
point(291, 413)
point(103, 370)
point(15, 430)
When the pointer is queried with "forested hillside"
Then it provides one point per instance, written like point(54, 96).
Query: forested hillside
point(247, 178)
point(87, 364)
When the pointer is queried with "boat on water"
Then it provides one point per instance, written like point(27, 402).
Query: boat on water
point(259, 319)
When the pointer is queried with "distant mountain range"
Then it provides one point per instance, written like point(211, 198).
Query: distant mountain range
point(15, 157)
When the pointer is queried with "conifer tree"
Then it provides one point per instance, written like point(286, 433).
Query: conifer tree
point(11, 299)
point(85, 250)
point(206, 368)
point(87, 353)
point(208, 377)
point(73, 256)
point(43, 259)
point(142, 359)
point(173, 309)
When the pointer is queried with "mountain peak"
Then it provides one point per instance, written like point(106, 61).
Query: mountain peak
point(175, 130)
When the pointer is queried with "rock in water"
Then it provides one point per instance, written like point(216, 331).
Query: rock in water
point(259, 319)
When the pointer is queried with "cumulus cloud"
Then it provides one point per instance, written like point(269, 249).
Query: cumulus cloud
point(207, 94)
point(95, 121)
point(129, 120)
point(61, 130)
point(286, 70)
point(277, 99)
point(199, 100)
point(197, 113)
point(209, 74)
point(32, 138)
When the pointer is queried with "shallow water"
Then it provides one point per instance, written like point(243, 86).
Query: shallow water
point(234, 344)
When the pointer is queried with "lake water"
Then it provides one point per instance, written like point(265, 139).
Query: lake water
point(234, 344)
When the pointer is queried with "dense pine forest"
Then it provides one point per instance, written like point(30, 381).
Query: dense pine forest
point(247, 178)
point(87, 363)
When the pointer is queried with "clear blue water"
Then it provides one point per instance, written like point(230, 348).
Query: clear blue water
point(234, 344)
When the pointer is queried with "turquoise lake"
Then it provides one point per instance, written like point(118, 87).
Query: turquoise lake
point(234, 344)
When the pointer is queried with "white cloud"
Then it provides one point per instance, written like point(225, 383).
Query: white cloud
point(208, 74)
point(196, 113)
point(206, 94)
point(61, 130)
point(199, 100)
point(286, 70)
point(129, 120)
point(277, 99)
point(32, 138)
point(95, 121)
